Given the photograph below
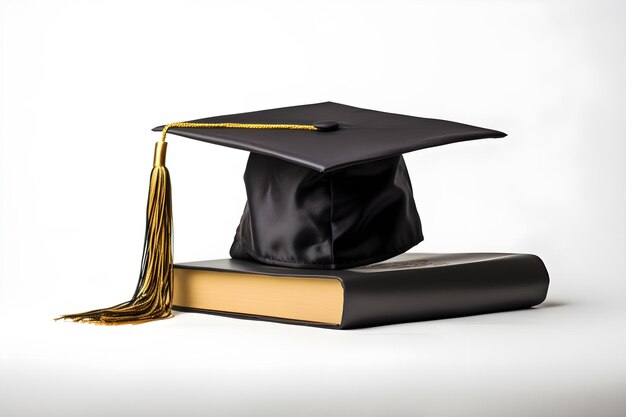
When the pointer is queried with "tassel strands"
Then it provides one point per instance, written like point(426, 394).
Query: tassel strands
point(152, 299)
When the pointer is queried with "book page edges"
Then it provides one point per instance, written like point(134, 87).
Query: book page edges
point(318, 300)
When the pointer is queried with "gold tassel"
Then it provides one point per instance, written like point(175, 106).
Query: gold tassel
point(153, 297)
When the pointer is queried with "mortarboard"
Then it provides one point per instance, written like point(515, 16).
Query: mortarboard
point(327, 188)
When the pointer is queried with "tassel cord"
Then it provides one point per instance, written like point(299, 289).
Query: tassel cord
point(152, 299)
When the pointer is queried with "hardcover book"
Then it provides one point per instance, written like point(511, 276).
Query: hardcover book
point(409, 287)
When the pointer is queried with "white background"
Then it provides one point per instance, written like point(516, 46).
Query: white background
point(82, 83)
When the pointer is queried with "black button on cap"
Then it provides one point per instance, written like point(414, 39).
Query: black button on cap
point(326, 125)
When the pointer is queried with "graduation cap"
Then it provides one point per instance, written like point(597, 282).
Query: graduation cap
point(327, 188)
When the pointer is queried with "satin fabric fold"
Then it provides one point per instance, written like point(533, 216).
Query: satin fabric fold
point(298, 217)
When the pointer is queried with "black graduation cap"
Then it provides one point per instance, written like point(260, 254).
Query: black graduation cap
point(346, 135)
point(327, 188)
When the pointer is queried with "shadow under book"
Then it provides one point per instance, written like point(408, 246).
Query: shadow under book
point(410, 287)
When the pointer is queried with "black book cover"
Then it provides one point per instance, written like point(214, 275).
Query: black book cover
point(414, 286)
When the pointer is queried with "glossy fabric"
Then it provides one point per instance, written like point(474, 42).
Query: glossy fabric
point(299, 217)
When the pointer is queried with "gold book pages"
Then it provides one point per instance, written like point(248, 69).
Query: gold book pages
point(317, 300)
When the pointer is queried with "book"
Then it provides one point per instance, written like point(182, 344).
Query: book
point(409, 287)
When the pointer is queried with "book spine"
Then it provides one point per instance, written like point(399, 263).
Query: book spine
point(509, 283)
